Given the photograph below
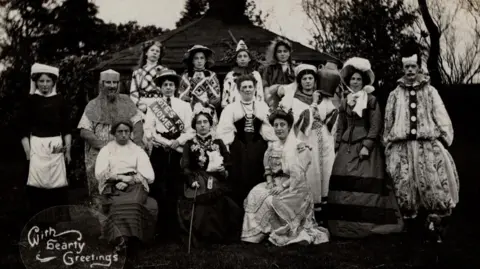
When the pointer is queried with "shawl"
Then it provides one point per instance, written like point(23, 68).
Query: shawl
point(101, 110)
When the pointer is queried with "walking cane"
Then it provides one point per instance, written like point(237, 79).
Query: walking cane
point(191, 220)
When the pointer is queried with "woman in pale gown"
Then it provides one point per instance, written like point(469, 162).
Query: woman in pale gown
point(315, 118)
point(281, 208)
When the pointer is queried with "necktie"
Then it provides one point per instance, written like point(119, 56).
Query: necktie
point(169, 101)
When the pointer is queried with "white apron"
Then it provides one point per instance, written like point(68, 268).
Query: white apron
point(47, 170)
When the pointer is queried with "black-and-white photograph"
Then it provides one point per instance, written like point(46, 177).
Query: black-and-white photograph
point(262, 134)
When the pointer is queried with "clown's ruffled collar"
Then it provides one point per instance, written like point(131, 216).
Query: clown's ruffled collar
point(419, 82)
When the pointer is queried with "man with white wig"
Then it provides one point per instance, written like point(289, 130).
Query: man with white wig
point(46, 139)
point(99, 116)
point(417, 133)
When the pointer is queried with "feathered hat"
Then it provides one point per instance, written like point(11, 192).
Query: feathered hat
point(270, 53)
point(38, 68)
point(357, 64)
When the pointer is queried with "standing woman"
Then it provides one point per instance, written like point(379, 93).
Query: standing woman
point(418, 131)
point(279, 71)
point(198, 84)
point(243, 66)
point(245, 129)
point(47, 141)
point(168, 126)
point(143, 89)
point(315, 117)
point(358, 185)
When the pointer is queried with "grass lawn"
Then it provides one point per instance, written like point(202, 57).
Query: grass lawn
point(461, 249)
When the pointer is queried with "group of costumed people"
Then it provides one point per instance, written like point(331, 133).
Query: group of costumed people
point(279, 151)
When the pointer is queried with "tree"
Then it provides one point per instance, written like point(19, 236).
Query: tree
point(375, 30)
point(194, 9)
point(231, 11)
point(434, 36)
point(256, 16)
point(459, 58)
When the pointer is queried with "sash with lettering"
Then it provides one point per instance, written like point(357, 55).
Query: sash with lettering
point(167, 116)
point(201, 85)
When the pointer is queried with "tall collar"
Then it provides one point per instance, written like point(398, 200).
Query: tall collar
point(420, 81)
point(246, 103)
point(199, 69)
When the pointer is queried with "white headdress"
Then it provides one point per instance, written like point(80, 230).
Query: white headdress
point(241, 46)
point(411, 59)
point(302, 67)
point(109, 75)
point(38, 68)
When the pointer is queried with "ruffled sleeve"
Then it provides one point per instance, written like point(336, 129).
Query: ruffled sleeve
point(299, 167)
point(441, 118)
point(144, 167)
point(226, 128)
point(389, 118)
point(184, 88)
point(376, 124)
point(134, 94)
point(215, 94)
point(259, 88)
point(228, 86)
point(188, 131)
point(266, 130)
point(341, 124)
point(102, 168)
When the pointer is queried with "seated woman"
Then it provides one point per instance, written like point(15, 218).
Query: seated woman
point(282, 207)
point(206, 162)
point(123, 171)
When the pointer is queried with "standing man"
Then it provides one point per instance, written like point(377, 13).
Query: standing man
point(100, 114)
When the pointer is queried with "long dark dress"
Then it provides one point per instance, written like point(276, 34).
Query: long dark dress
point(216, 216)
point(361, 200)
point(247, 150)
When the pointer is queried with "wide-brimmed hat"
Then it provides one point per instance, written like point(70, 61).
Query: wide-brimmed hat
point(167, 74)
point(357, 64)
point(197, 48)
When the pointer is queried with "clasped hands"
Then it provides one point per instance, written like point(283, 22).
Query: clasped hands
point(275, 188)
point(173, 144)
point(125, 180)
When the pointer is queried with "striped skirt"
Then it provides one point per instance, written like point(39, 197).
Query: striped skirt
point(361, 200)
point(130, 213)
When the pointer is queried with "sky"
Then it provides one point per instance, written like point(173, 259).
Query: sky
point(165, 13)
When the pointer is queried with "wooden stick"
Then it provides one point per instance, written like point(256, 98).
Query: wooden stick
point(191, 221)
point(231, 35)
